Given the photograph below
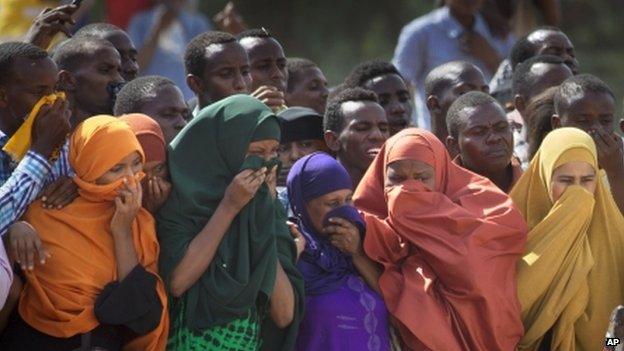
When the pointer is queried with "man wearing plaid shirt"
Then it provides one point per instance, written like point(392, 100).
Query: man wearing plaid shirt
point(26, 74)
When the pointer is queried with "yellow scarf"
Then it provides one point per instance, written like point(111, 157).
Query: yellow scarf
point(571, 276)
point(19, 143)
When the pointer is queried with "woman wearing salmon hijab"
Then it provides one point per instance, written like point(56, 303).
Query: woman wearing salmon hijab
point(572, 273)
point(227, 254)
point(448, 240)
point(156, 185)
point(99, 288)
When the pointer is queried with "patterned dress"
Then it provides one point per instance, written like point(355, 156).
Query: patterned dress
point(237, 335)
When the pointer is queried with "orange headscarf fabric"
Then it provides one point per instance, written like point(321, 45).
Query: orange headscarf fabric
point(59, 296)
point(150, 135)
point(449, 255)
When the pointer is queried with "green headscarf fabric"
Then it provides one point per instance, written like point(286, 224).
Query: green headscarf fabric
point(267, 130)
point(203, 160)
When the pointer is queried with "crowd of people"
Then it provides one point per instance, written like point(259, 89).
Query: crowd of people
point(202, 190)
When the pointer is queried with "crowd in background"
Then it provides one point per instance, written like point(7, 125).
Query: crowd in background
point(171, 183)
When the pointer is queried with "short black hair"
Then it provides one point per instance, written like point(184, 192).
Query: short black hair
point(577, 85)
point(255, 33)
point(334, 118)
point(133, 96)
point(440, 77)
point(10, 51)
point(368, 70)
point(470, 99)
point(71, 53)
point(296, 66)
point(523, 80)
point(195, 54)
point(100, 29)
point(524, 49)
point(538, 114)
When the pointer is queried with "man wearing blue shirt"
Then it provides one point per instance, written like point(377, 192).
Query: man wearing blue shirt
point(453, 32)
point(161, 35)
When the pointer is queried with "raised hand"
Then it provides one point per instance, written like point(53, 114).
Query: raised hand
point(127, 204)
point(157, 191)
point(49, 23)
point(51, 127)
point(243, 188)
point(229, 20)
point(270, 96)
point(477, 46)
point(610, 151)
point(345, 236)
point(271, 181)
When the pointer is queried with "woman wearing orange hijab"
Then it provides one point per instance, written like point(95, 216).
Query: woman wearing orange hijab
point(448, 240)
point(99, 288)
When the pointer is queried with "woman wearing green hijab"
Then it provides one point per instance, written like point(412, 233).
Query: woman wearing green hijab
point(226, 252)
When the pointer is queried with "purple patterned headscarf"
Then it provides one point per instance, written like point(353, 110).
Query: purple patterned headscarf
point(323, 266)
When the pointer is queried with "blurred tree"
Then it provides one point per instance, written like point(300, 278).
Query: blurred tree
point(595, 28)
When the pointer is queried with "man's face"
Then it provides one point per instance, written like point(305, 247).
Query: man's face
point(169, 109)
point(365, 131)
point(469, 79)
point(174, 5)
point(310, 90)
point(394, 98)
point(485, 140)
point(555, 43)
point(591, 111)
point(226, 72)
point(28, 82)
point(465, 7)
point(96, 79)
point(548, 75)
point(268, 63)
point(128, 53)
point(289, 153)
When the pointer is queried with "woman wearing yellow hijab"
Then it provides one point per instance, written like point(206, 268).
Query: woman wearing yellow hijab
point(571, 275)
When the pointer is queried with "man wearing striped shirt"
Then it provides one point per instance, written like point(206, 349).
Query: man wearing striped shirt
point(26, 74)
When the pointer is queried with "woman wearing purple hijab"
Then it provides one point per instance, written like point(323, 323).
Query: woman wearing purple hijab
point(343, 308)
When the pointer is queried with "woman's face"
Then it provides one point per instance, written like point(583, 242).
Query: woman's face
point(156, 169)
point(572, 173)
point(318, 207)
point(267, 149)
point(400, 171)
point(129, 166)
